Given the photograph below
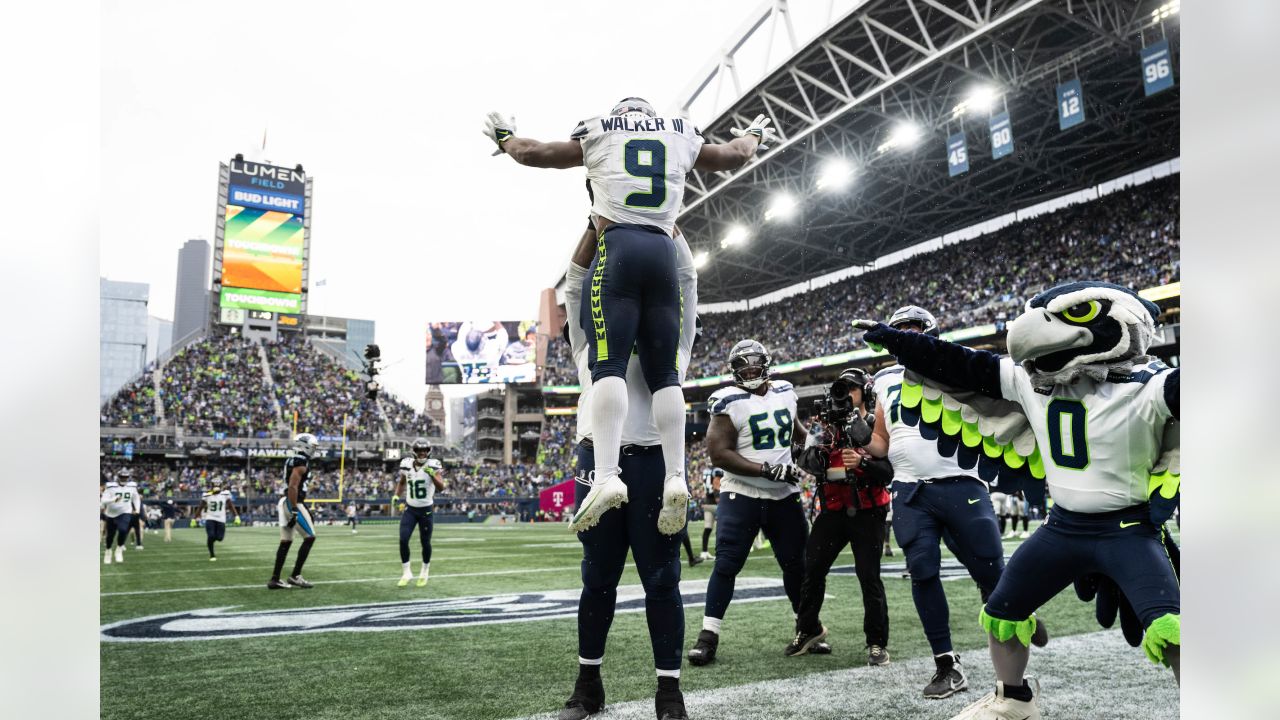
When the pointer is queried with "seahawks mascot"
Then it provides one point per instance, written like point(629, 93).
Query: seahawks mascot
point(1105, 416)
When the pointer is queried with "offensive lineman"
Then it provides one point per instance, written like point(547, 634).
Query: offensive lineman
point(636, 163)
point(293, 515)
point(117, 507)
point(418, 476)
point(214, 506)
point(638, 527)
point(753, 429)
point(933, 497)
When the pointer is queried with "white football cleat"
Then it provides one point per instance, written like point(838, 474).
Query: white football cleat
point(119, 554)
point(995, 706)
point(606, 494)
point(675, 505)
point(106, 558)
point(1024, 535)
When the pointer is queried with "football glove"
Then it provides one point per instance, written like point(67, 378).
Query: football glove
point(237, 521)
point(760, 128)
point(194, 523)
point(872, 330)
point(499, 129)
point(781, 473)
point(1110, 602)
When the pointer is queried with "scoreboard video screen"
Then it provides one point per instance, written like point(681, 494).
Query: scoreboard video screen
point(481, 351)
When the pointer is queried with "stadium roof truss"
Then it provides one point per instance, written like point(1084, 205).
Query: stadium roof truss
point(893, 60)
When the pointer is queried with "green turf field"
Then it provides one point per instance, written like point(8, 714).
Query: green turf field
point(499, 670)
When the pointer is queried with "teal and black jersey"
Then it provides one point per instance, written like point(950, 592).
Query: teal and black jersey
point(293, 462)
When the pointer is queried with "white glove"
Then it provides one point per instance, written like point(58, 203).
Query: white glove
point(760, 128)
point(499, 129)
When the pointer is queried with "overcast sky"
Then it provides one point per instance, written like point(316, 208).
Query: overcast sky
point(383, 104)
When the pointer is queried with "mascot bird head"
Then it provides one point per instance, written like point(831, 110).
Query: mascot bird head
point(1082, 328)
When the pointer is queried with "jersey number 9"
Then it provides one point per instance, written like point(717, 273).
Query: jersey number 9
point(647, 159)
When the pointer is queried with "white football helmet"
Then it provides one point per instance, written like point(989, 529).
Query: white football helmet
point(633, 107)
point(306, 444)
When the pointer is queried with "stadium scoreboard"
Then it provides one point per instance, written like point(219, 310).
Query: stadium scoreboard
point(262, 242)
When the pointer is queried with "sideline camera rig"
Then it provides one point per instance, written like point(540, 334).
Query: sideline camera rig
point(848, 428)
point(372, 356)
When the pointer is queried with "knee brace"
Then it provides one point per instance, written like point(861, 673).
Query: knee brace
point(1004, 630)
point(1163, 631)
point(923, 566)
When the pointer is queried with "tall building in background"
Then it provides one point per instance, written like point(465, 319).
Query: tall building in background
point(159, 337)
point(344, 338)
point(191, 293)
point(122, 334)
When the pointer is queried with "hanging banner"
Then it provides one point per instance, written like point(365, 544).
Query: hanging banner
point(1070, 104)
point(1157, 67)
point(957, 155)
point(1001, 136)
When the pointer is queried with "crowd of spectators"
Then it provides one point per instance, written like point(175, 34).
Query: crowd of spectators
point(134, 405)
point(217, 386)
point(1129, 237)
point(320, 391)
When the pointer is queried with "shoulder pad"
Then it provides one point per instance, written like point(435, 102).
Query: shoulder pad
point(721, 399)
point(581, 129)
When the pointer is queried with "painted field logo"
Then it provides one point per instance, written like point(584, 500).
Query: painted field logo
point(218, 623)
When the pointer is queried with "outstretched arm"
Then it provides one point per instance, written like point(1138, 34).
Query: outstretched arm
point(534, 153)
point(945, 362)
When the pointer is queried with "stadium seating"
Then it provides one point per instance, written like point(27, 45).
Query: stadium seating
point(1129, 237)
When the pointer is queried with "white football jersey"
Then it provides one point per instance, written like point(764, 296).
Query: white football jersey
point(637, 167)
point(215, 505)
point(764, 424)
point(914, 458)
point(419, 490)
point(1098, 441)
point(639, 427)
point(132, 486)
point(117, 499)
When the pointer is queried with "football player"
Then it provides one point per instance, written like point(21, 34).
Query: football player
point(419, 477)
point(1077, 360)
point(933, 496)
point(753, 429)
point(135, 523)
point(636, 163)
point(293, 515)
point(213, 506)
point(709, 503)
point(117, 506)
point(643, 526)
point(352, 518)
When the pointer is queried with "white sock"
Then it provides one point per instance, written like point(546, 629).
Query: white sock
point(608, 411)
point(408, 569)
point(668, 673)
point(597, 662)
point(951, 653)
point(712, 624)
point(426, 570)
point(668, 415)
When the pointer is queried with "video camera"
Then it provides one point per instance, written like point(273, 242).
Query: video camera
point(372, 356)
point(848, 428)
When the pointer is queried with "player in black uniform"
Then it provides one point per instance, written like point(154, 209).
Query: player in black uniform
point(709, 504)
point(293, 514)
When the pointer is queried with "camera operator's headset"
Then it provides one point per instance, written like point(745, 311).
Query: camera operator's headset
point(862, 379)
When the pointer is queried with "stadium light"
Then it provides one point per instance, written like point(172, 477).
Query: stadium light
point(700, 259)
point(979, 100)
point(904, 134)
point(782, 207)
point(736, 236)
point(1164, 11)
point(836, 174)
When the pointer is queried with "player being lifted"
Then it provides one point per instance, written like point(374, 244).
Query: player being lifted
point(419, 476)
point(293, 514)
point(117, 506)
point(213, 506)
point(636, 164)
point(753, 428)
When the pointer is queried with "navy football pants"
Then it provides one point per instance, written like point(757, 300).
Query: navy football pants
point(959, 508)
point(118, 529)
point(740, 519)
point(1123, 545)
point(657, 559)
point(634, 302)
point(422, 518)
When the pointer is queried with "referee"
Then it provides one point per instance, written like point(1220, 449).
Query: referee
point(854, 503)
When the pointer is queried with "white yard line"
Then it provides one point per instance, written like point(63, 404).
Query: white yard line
point(1095, 675)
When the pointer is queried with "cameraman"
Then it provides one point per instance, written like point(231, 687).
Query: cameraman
point(854, 502)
